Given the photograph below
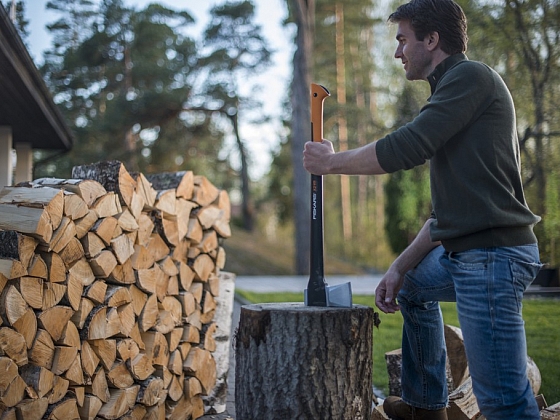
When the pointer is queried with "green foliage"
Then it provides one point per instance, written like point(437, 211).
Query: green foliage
point(407, 193)
point(21, 23)
point(280, 180)
point(407, 206)
point(125, 86)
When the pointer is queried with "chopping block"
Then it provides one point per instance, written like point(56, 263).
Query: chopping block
point(303, 362)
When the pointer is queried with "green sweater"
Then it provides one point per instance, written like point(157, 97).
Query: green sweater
point(468, 133)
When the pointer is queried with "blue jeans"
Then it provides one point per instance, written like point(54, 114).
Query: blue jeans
point(488, 286)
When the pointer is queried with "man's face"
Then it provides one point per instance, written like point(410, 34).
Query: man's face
point(414, 54)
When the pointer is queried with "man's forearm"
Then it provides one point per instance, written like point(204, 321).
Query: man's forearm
point(416, 251)
point(360, 161)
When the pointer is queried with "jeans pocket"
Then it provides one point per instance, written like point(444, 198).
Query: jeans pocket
point(523, 272)
point(469, 260)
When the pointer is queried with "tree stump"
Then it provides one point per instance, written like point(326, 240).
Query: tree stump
point(300, 362)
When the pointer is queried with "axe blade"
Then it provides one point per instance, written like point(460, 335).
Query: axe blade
point(337, 296)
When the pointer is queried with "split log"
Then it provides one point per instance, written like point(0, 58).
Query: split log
point(107, 205)
point(157, 348)
point(37, 267)
point(127, 221)
point(74, 206)
point(98, 386)
point(112, 175)
point(103, 263)
point(145, 189)
point(66, 409)
point(87, 189)
point(119, 376)
point(38, 378)
point(32, 409)
point(54, 320)
point(95, 325)
point(62, 235)
point(84, 224)
point(151, 392)
point(106, 350)
point(165, 201)
point(90, 360)
point(181, 182)
point(49, 199)
point(203, 265)
point(90, 407)
point(63, 359)
point(27, 326)
point(93, 244)
point(215, 402)
point(31, 289)
point(140, 366)
point(551, 413)
point(274, 346)
point(14, 393)
point(42, 350)
point(33, 221)
point(9, 372)
point(16, 246)
point(60, 388)
point(56, 270)
point(70, 336)
point(12, 305)
point(13, 345)
point(72, 252)
point(205, 193)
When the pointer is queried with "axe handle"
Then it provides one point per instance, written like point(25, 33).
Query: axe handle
point(316, 292)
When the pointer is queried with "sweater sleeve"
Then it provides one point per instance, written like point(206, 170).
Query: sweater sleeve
point(460, 97)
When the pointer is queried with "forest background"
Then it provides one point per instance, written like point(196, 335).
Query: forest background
point(136, 85)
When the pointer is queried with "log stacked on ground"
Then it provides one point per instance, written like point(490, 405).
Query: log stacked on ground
point(108, 294)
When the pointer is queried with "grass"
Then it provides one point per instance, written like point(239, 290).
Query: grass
point(542, 327)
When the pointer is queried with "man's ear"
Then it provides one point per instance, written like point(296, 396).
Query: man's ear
point(432, 40)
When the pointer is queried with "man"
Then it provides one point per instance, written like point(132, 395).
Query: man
point(478, 249)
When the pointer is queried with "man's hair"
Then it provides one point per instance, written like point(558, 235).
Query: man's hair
point(442, 16)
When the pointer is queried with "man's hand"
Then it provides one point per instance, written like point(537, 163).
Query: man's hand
point(316, 155)
point(387, 290)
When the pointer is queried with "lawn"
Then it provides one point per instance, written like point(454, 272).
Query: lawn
point(542, 324)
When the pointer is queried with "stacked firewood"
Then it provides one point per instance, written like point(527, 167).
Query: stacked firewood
point(108, 283)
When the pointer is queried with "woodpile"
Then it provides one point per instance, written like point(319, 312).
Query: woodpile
point(108, 284)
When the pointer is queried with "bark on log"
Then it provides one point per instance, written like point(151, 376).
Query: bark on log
point(551, 413)
point(112, 175)
point(294, 361)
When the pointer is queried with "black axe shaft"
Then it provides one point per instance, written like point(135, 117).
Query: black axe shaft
point(316, 287)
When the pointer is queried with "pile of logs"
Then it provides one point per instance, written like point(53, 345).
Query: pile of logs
point(462, 401)
point(108, 283)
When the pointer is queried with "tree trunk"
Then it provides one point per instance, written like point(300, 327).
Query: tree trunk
point(342, 123)
point(247, 202)
point(304, 11)
point(295, 361)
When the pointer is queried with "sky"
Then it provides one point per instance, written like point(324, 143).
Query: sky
point(269, 14)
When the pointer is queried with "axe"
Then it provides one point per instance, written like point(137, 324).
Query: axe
point(318, 292)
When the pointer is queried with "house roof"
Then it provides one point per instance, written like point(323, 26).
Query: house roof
point(26, 105)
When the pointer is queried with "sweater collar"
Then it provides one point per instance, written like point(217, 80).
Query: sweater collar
point(442, 67)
